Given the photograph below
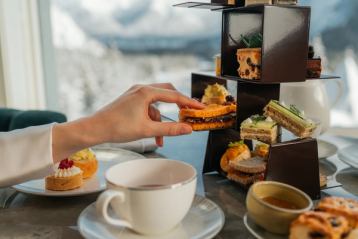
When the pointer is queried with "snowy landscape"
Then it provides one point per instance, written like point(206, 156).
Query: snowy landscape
point(104, 47)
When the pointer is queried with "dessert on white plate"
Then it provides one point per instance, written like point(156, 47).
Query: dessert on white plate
point(66, 177)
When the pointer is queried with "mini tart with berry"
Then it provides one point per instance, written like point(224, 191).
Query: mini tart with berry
point(85, 160)
point(66, 177)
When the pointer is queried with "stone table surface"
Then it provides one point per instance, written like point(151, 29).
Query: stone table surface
point(28, 216)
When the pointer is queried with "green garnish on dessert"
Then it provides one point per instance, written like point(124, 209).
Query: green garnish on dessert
point(260, 128)
point(291, 118)
point(252, 41)
point(236, 143)
point(295, 110)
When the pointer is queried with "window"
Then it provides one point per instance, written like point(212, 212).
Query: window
point(102, 48)
point(98, 49)
point(334, 35)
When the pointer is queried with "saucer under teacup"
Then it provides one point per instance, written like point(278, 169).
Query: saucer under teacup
point(204, 220)
point(259, 232)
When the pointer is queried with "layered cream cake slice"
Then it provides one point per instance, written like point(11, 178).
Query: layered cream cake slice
point(290, 118)
point(259, 127)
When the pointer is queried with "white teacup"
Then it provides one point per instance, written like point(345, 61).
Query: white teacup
point(150, 196)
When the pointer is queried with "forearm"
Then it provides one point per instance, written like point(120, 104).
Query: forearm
point(70, 137)
point(25, 154)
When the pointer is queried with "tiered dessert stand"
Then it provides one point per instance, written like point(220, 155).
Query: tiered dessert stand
point(285, 32)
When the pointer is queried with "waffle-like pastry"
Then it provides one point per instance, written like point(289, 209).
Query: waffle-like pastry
point(319, 225)
point(85, 160)
point(345, 207)
point(213, 116)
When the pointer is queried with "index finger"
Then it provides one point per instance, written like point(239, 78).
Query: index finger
point(173, 96)
point(167, 86)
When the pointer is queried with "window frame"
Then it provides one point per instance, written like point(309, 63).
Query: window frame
point(27, 55)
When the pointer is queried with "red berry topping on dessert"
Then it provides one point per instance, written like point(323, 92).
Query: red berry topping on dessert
point(65, 164)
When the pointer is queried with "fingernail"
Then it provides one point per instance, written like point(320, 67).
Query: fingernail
point(185, 130)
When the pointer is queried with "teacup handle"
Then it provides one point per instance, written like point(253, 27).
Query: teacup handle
point(102, 204)
point(339, 84)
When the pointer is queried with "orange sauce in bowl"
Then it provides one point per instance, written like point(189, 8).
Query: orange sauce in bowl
point(280, 203)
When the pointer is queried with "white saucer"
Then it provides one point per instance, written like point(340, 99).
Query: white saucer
point(97, 183)
point(259, 232)
point(326, 149)
point(204, 220)
point(349, 155)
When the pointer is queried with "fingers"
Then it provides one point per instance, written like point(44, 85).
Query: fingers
point(159, 141)
point(172, 96)
point(170, 128)
point(167, 86)
point(154, 114)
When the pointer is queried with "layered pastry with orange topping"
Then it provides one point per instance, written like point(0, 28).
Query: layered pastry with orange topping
point(236, 151)
point(66, 177)
point(240, 166)
point(85, 160)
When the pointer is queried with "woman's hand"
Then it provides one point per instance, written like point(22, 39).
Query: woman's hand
point(133, 116)
point(130, 117)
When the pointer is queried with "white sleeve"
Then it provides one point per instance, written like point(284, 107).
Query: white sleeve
point(25, 154)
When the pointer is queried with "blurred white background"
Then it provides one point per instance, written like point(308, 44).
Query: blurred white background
point(101, 48)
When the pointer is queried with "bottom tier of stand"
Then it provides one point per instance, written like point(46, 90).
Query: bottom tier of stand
point(294, 162)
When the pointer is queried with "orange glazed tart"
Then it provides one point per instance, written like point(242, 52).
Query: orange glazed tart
point(86, 160)
point(67, 177)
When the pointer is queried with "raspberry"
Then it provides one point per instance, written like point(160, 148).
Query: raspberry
point(65, 163)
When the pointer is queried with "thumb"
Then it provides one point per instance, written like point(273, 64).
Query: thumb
point(170, 128)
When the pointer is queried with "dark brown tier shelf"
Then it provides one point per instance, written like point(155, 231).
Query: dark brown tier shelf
point(285, 34)
point(285, 156)
point(213, 5)
point(273, 43)
point(201, 5)
point(213, 78)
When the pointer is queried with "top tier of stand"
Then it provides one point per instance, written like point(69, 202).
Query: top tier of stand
point(213, 5)
point(285, 33)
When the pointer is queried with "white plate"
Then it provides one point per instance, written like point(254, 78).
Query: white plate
point(259, 232)
point(204, 220)
point(326, 149)
point(349, 155)
point(97, 183)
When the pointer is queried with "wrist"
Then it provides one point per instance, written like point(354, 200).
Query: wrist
point(70, 137)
